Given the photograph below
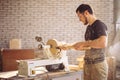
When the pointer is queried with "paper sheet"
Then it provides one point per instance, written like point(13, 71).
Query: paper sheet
point(8, 74)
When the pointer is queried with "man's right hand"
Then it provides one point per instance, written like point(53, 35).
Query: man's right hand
point(81, 46)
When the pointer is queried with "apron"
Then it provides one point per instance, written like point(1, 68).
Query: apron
point(96, 68)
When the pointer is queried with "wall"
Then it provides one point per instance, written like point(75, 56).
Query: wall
point(117, 11)
point(25, 19)
point(114, 49)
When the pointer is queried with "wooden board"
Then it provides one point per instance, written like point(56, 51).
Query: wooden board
point(111, 68)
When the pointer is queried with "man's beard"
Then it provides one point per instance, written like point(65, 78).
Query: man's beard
point(86, 21)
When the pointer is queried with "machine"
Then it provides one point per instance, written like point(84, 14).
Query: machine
point(56, 60)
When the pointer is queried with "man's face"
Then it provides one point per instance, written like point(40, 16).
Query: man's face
point(82, 18)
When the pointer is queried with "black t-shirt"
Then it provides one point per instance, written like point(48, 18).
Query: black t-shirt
point(95, 30)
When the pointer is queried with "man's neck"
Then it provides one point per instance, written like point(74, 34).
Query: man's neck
point(92, 19)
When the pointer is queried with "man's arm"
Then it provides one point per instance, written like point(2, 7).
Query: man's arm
point(101, 42)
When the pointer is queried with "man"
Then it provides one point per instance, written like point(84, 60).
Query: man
point(95, 67)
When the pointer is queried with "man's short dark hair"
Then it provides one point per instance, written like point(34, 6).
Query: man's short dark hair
point(83, 7)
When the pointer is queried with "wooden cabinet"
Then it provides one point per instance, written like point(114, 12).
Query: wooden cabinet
point(9, 57)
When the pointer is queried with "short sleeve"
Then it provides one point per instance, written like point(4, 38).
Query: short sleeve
point(100, 29)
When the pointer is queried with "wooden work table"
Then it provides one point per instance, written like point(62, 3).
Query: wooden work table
point(71, 75)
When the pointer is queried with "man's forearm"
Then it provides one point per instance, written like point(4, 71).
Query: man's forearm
point(97, 43)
